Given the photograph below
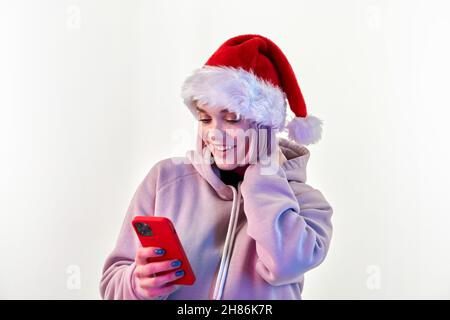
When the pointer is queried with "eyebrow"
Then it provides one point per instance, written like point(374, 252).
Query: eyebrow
point(221, 111)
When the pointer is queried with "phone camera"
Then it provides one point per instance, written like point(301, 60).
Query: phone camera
point(144, 229)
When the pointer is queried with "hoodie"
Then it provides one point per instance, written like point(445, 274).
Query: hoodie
point(254, 241)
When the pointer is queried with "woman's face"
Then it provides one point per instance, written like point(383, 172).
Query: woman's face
point(225, 134)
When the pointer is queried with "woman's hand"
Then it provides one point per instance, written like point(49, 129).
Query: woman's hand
point(148, 285)
point(266, 148)
point(281, 157)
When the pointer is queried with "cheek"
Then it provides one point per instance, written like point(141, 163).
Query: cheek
point(201, 138)
point(201, 131)
point(242, 139)
point(242, 149)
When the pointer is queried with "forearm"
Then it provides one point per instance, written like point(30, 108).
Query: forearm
point(291, 232)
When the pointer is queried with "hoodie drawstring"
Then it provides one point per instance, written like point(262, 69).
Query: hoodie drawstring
point(229, 242)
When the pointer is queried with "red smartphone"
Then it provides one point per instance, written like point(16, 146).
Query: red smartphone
point(160, 232)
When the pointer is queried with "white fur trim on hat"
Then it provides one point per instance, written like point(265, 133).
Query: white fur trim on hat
point(245, 93)
point(305, 130)
point(238, 91)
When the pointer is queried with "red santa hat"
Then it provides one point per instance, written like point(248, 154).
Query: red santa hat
point(250, 75)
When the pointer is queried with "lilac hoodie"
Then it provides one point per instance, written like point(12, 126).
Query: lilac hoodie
point(253, 242)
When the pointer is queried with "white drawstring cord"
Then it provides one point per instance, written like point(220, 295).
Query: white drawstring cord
point(229, 241)
point(230, 250)
point(225, 247)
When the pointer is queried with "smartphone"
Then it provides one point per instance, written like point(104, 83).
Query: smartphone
point(160, 232)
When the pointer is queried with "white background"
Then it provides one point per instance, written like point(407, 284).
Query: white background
point(90, 100)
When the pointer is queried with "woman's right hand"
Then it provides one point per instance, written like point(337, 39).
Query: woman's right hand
point(149, 285)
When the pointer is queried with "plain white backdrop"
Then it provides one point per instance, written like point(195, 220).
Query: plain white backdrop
point(90, 100)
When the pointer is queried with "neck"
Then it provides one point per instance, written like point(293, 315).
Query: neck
point(238, 170)
point(241, 170)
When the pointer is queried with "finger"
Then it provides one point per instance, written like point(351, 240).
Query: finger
point(143, 254)
point(251, 155)
point(269, 147)
point(282, 158)
point(159, 280)
point(270, 142)
point(155, 267)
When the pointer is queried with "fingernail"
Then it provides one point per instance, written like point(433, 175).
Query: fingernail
point(179, 273)
point(159, 251)
point(176, 263)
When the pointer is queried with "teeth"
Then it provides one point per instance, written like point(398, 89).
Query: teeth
point(223, 148)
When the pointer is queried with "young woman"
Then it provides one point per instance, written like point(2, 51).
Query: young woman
point(250, 225)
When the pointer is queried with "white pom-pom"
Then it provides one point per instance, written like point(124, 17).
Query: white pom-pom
point(305, 130)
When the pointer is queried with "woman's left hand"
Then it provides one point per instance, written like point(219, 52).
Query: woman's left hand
point(272, 143)
point(281, 157)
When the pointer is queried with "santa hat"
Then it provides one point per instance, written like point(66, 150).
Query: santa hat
point(250, 75)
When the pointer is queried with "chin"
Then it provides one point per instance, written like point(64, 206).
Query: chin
point(226, 166)
point(226, 163)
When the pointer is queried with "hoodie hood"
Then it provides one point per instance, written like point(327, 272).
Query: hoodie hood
point(295, 167)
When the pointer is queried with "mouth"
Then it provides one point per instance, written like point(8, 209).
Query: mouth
point(222, 148)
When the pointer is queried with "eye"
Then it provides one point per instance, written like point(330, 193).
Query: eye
point(205, 120)
point(233, 120)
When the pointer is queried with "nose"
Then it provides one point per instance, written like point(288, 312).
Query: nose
point(211, 134)
point(215, 135)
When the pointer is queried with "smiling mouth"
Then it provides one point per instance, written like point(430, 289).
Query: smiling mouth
point(222, 148)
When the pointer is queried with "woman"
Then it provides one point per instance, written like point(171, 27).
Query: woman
point(250, 225)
